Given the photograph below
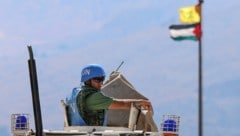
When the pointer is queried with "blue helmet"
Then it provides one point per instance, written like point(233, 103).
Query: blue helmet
point(90, 71)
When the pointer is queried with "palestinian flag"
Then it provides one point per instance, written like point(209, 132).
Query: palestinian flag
point(185, 32)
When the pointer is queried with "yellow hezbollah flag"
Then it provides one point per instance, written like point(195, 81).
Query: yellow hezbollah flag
point(190, 14)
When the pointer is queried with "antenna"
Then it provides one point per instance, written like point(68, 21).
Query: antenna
point(119, 66)
point(35, 93)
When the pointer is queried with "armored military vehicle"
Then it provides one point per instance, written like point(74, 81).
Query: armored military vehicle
point(133, 122)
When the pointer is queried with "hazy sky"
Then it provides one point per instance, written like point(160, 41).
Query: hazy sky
point(67, 35)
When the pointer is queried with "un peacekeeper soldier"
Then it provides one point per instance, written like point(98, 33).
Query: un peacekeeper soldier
point(91, 104)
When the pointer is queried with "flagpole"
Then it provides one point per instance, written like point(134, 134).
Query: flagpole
point(200, 106)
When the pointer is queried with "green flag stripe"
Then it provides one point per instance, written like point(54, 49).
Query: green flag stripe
point(180, 38)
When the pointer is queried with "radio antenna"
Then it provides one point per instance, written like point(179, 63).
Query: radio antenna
point(119, 66)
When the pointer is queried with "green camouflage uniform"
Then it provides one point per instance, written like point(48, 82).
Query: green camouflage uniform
point(92, 105)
